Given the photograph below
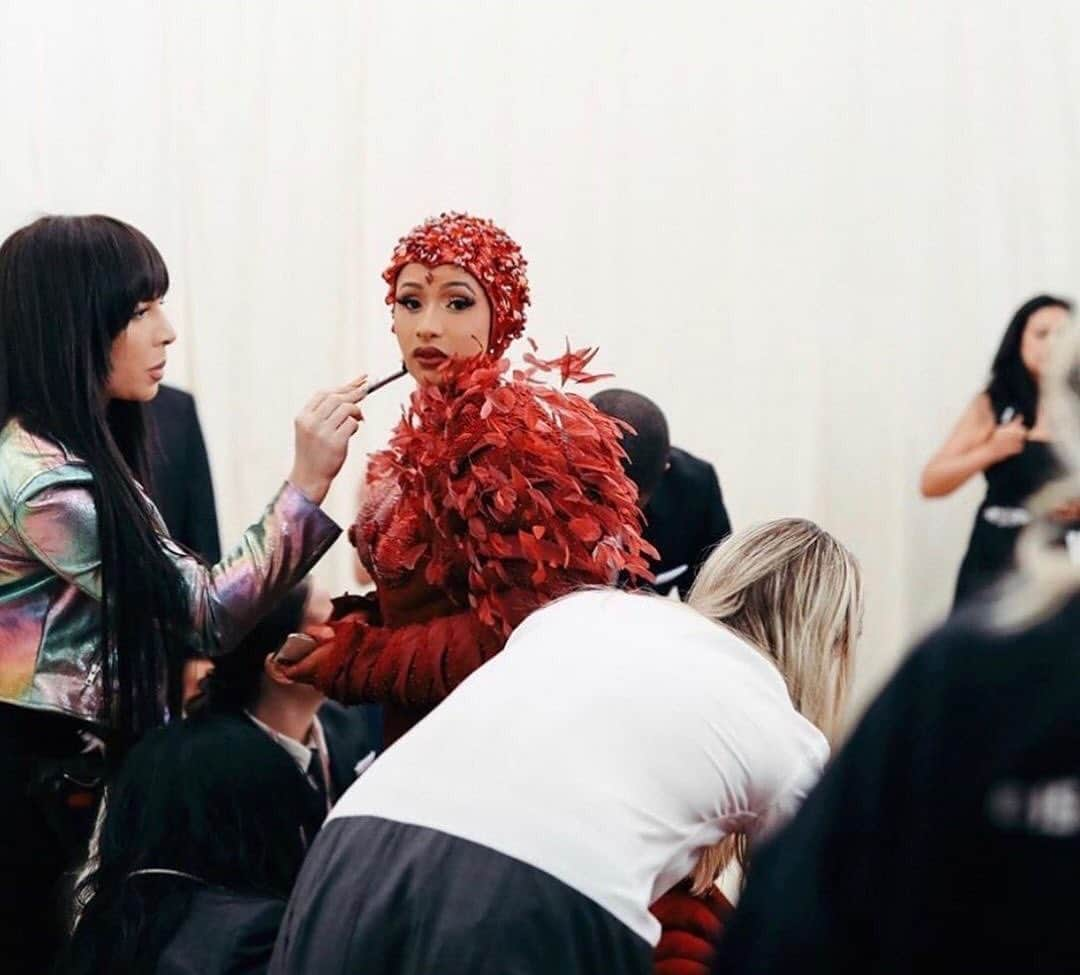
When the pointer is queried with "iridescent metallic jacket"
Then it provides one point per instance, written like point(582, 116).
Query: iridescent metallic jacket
point(50, 575)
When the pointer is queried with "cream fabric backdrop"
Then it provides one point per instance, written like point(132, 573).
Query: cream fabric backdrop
point(801, 230)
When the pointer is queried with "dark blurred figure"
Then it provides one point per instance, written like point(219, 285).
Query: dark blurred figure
point(180, 473)
point(328, 742)
point(945, 836)
point(202, 838)
point(679, 493)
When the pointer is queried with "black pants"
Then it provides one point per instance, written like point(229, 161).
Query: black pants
point(382, 898)
point(49, 793)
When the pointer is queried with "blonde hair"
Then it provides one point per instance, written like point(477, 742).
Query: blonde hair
point(794, 593)
point(1048, 577)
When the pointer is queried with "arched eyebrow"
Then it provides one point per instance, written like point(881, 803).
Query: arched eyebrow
point(443, 287)
point(458, 284)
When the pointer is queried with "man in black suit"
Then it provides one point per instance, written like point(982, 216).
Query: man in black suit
point(330, 743)
point(180, 473)
point(678, 493)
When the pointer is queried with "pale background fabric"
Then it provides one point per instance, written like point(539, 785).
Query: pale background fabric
point(800, 227)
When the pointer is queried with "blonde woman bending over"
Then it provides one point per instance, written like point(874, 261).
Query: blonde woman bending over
point(530, 821)
point(792, 592)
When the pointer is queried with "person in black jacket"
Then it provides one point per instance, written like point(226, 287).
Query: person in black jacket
point(180, 482)
point(181, 486)
point(202, 838)
point(678, 492)
point(328, 742)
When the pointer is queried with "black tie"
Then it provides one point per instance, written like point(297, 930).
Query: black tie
point(317, 779)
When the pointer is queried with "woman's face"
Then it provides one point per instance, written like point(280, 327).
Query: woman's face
point(1038, 333)
point(439, 313)
point(137, 360)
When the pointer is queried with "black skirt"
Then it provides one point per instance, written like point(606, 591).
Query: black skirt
point(990, 556)
point(385, 898)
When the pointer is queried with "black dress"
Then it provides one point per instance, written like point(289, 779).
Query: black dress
point(999, 520)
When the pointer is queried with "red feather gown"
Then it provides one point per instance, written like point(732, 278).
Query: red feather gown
point(494, 497)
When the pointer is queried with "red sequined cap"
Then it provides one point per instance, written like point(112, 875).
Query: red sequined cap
point(486, 252)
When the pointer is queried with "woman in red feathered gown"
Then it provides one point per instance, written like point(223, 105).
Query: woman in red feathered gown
point(497, 494)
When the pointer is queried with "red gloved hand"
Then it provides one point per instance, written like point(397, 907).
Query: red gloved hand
point(692, 926)
point(330, 658)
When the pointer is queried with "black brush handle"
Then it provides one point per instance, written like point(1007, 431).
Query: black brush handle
point(383, 382)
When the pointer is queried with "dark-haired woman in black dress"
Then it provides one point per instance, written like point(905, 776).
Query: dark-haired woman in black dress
point(1004, 435)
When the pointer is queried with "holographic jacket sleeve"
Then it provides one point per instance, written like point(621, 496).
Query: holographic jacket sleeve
point(56, 520)
point(50, 575)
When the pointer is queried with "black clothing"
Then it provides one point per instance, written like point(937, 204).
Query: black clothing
point(180, 473)
point(684, 519)
point(49, 793)
point(1009, 484)
point(386, 898)
point(992, 546)
point(224, 933)
point(348, 740)
point(348, 743)
point(945, 836)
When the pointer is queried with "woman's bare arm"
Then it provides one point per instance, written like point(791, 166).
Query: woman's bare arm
point(975, 443)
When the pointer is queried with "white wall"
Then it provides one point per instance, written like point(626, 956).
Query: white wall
point(800, 227)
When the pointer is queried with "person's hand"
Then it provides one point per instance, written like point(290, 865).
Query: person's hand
point(323, 430)
point(309, 668)
point(1007, 440)
point(319, 632)
point(196, 669)
point(1067, 512)
point(329, 655)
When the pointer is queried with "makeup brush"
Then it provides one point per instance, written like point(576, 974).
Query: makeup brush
point(386, 381)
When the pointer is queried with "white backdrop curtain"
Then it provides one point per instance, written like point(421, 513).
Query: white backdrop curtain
point(801, 228)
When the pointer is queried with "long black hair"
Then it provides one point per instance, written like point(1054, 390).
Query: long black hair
point(1011, 382)
point(211, 802)
point(68, 287)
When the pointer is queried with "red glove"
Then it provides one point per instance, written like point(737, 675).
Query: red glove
point(325, 664)
point(692, 926)
point(414, 666)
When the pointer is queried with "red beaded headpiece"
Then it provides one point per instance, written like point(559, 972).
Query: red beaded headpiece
point(483, 250)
